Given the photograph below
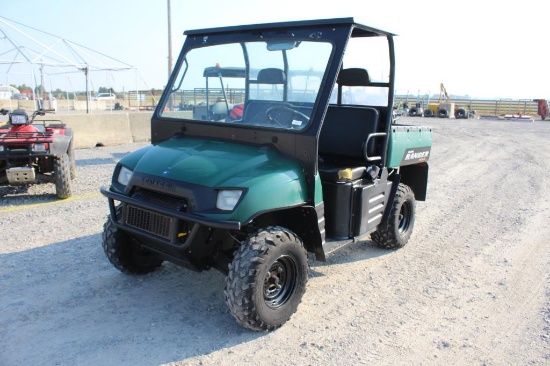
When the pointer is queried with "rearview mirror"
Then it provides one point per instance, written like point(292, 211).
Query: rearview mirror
point(281, 45)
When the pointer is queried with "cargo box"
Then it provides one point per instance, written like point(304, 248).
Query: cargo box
point(409, 145)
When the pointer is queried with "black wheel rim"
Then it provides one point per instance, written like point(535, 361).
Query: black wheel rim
point(405, 217)
point(279, 282)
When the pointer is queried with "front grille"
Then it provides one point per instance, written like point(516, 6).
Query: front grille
point(161, 199)
point(148, 221)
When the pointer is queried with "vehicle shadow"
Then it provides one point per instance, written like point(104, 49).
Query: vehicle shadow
point(356, 252)
point(66, 304)
point(20, 196)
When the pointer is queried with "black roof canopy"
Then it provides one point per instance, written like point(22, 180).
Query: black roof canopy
point(359, 30)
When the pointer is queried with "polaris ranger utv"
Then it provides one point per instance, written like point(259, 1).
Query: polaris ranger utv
point(291, 151)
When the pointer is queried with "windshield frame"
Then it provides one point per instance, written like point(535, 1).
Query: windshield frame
point(304, 101)
point(301, 145)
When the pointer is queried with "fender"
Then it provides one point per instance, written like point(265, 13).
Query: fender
point(416, 177)
point(60, 145)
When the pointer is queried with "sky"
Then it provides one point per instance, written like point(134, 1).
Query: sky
point(478, 49)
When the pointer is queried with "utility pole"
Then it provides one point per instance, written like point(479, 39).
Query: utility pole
point(86, 71)
point(42, 81)
point(169, 40)
point(170, 101)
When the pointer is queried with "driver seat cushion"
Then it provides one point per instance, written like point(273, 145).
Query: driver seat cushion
point(339, 174)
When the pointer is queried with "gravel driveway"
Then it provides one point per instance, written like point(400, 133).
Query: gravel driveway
point(472, 287)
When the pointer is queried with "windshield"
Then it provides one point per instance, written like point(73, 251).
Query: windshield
point(271, 84)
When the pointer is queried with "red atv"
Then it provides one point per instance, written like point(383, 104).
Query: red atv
point(36, 153)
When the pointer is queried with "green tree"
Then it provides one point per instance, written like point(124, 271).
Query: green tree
point(59, 94)
point(103, 89)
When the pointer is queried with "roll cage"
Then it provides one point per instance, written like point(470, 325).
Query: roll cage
point(299, 144)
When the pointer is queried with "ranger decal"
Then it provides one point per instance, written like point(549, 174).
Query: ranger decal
point(416, 155)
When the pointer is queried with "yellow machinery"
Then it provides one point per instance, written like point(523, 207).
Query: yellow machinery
point(432, 109)
point(446, 108)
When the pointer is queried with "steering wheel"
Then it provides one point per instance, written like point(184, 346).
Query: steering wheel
point(291, 112)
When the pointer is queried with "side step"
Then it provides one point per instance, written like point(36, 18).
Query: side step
point(331, 246)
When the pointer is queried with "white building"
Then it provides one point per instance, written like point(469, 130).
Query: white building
point(7, 91)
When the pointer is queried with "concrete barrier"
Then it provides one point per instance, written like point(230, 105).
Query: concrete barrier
point(140, 126)
point(92, 130)
point(97, 129)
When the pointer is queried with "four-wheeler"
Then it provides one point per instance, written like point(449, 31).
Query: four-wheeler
point(311, 163)
point(33, 152)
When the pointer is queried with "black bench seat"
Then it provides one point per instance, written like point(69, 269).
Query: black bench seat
point(342, 142)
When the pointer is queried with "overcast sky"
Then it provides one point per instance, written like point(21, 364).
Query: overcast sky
point(477, 48)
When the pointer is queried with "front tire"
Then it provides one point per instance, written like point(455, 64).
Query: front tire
point(125, 252)
point(267, 279)
point(400, 221)
point(62, 176)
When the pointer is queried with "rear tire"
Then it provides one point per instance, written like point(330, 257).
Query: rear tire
point(125, 252)
point(400, 223)
point(461, 113)
point(443, 113)
point(62, 176)
point(267, 279)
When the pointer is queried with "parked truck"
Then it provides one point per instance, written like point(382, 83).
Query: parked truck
point(311, 163)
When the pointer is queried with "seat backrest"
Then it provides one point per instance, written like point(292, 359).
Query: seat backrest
point(271, 76)
point(255, 109)
point(345, 130)
point(346, 127)
point(353, 77)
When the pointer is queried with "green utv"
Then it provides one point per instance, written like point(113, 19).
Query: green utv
point(290, 148)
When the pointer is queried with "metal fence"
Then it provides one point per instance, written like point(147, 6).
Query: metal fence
point(186, 99)
point(183, 99)
point(482, 107)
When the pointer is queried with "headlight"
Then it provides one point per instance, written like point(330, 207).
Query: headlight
point(227, 199)
point(124, 176)
point(1, 148)
point(39, 147)
point(18, 119)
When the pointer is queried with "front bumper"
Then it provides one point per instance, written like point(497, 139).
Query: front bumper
point(160, 224)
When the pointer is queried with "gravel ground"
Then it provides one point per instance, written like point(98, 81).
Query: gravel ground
point(471, 288)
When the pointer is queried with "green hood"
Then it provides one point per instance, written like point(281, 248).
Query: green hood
point(270, 181)
point(213, 163)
